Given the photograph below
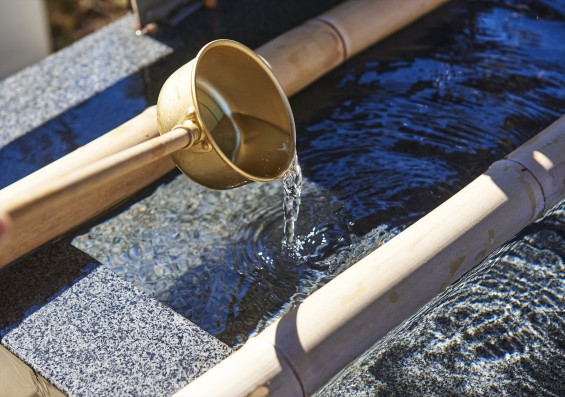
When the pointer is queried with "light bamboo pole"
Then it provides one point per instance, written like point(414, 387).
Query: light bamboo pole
point(97, 174)
point(304, 349)
point(297, 57)
point(38, 224)
point(309, 51)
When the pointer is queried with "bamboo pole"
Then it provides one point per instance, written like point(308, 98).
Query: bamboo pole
point(298, 58)
point(95, 175)
point(304, 349)
point(40, 224)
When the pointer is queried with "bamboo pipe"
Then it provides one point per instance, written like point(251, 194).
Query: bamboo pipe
point(304, 54)
point(298, 58)
point(304, 349)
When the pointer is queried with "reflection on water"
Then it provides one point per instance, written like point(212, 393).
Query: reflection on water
point(382, 140)
point(228, 137)
point(261, 136)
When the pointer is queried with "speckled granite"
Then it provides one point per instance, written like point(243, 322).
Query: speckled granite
point(50, 270)
point(66, 78)
point(104, 337)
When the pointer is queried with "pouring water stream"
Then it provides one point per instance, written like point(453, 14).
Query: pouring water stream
point(292, 185)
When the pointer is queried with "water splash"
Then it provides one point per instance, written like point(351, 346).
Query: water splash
point(292, 185)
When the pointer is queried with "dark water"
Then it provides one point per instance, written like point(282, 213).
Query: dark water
point(382, 140)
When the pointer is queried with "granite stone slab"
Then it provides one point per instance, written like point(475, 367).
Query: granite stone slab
point(105, 337)
point(66, 78)
point(36, 279)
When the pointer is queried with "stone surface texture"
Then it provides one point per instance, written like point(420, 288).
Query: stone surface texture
point(105, 337)
point(69, 77)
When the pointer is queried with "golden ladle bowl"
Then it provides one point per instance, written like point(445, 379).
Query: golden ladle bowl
point(245, 129)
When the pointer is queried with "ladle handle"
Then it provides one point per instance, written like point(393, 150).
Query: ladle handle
point(95, 174)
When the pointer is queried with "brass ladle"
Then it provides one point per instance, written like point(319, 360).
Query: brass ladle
point(229, 104)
